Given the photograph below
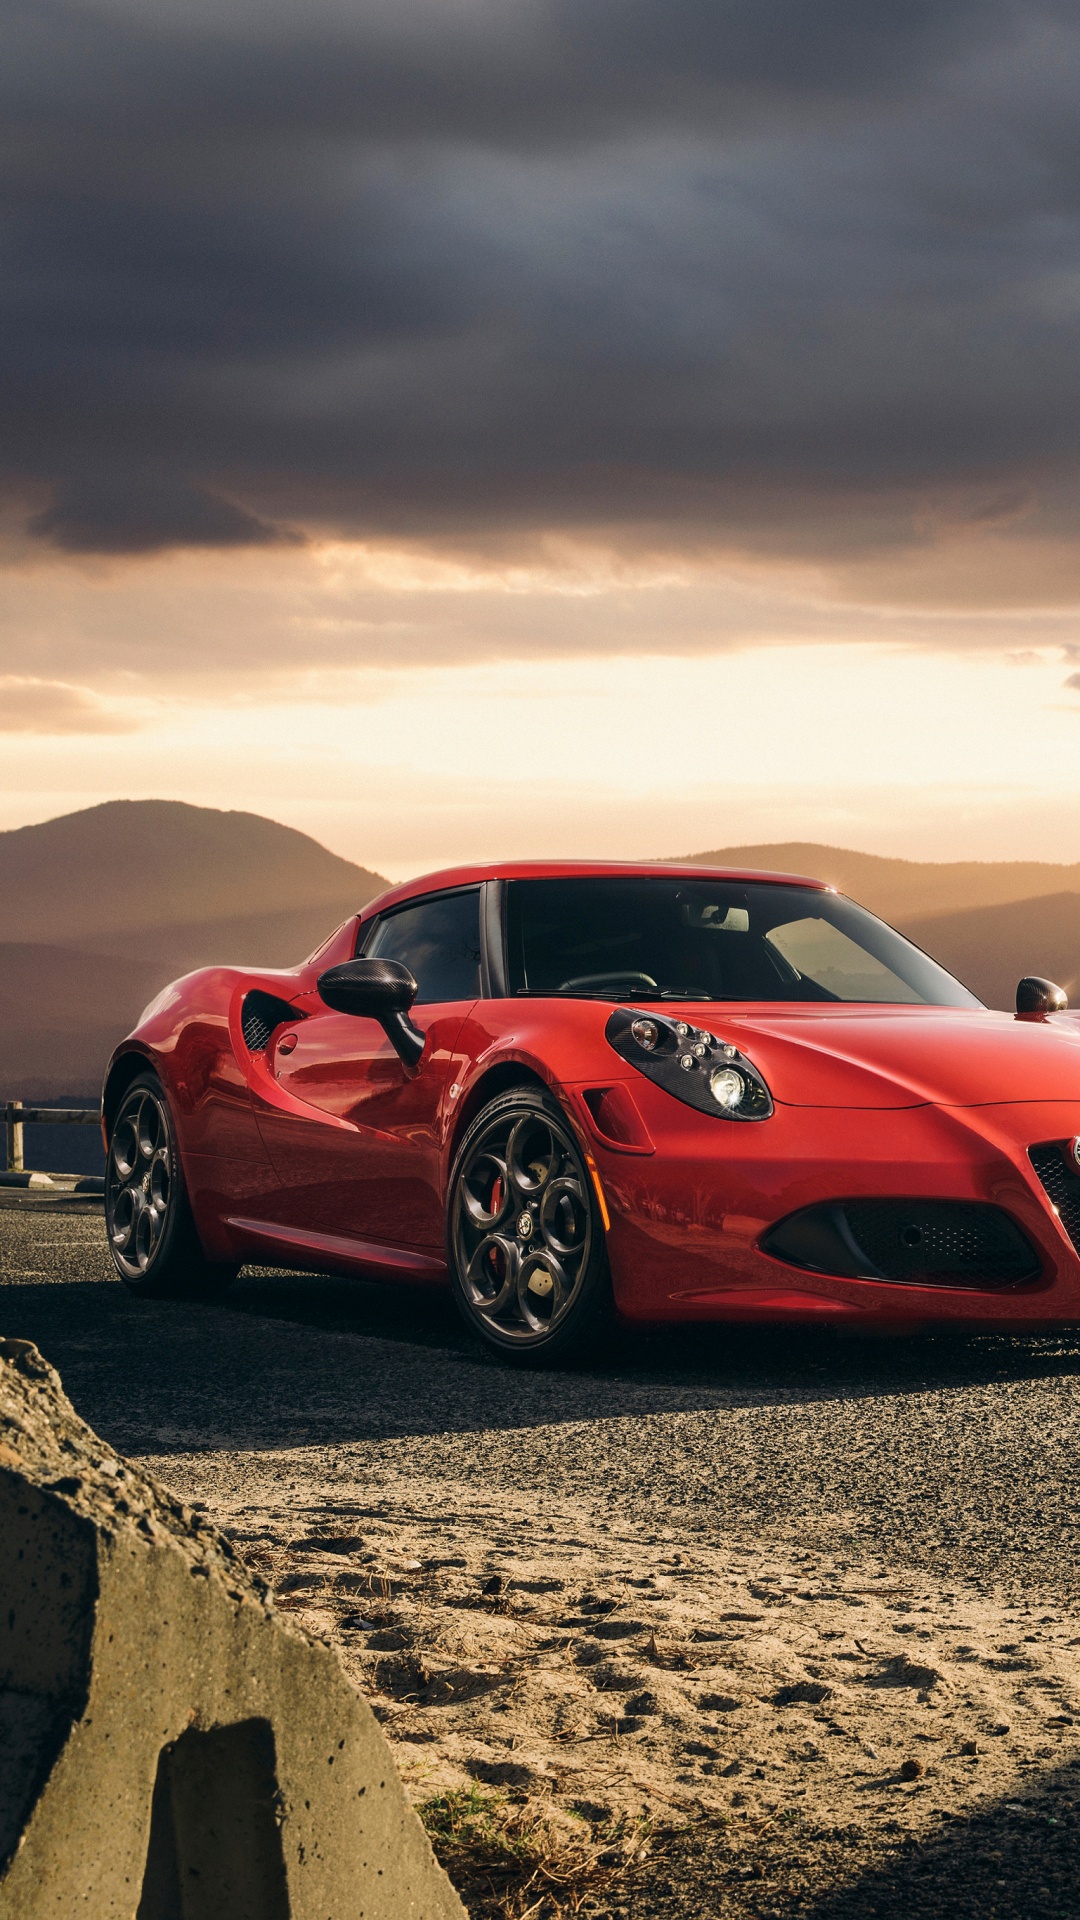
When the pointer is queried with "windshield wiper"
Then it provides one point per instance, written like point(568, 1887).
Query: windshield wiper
point(585, 993)
point(563, 993)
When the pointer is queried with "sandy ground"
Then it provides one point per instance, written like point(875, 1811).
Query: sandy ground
point(621, 1687)
point(751, 1629)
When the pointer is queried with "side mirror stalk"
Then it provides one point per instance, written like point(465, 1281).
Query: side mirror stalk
point(407, 1039)
point(381, 990)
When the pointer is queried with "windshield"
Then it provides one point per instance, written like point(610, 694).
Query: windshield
point(681, 939)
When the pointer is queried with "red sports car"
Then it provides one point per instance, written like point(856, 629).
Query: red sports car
point(561, 1089)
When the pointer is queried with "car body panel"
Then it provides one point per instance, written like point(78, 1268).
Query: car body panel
point(359, 1140)
point(863, 1056)
point(323, 1151)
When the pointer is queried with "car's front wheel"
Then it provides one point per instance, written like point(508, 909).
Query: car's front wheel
point(152, 1237)
point(525, 1238)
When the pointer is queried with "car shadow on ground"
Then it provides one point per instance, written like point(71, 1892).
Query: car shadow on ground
point(1013, 1858)
point(756, 1361)
point(287, 1359)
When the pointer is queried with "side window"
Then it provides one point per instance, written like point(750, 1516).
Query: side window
point(439, 942)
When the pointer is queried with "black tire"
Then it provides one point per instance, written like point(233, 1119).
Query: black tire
point(152, 1238)
point(525, 1238)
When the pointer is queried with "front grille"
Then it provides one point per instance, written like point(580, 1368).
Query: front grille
point(1062, 1187)
point(952, 1243)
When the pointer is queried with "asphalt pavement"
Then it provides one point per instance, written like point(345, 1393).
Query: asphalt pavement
point(955, 1455)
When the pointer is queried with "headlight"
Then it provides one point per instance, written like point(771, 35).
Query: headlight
point(704, 1072)
point(727, 1087)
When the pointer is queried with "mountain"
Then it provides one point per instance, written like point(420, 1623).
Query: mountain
point(990, 948)
point(249, 939)
point(132, 864)
point(900, 890)
point(61, 1014)
point(101, 908)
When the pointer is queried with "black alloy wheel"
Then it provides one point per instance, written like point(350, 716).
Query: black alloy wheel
point(525, 1239)
point(152, 1238)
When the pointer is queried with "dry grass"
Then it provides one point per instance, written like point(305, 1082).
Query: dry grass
point(513, 1860)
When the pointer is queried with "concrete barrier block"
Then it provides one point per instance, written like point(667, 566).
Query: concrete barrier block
point(171, 1748)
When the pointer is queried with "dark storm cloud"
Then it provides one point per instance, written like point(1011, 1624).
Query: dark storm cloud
point(788, 274)
point(102, 512)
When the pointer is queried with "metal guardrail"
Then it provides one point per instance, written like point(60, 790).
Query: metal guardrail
point(16, 1116)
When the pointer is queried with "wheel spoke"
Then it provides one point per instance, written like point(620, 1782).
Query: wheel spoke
point(564, 1217)
point(123, 1220)
point(148, 1128)
point(158, 1191)
point(531, 1155)
point(125, 1147)
point(486, 1190)
point(543, 1292)
point(491, 1275)
point(144, 1238)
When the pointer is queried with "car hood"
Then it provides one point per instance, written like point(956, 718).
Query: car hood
point(901, 1056)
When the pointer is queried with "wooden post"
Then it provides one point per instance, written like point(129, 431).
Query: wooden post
point(13, 1116)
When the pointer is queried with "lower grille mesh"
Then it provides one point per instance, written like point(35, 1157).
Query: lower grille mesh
point(945, 1243)
point(1062, 1187)
point(924, 1239)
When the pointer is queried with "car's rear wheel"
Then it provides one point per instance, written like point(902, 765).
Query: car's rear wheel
point(152, 1238)
point(525, 1238)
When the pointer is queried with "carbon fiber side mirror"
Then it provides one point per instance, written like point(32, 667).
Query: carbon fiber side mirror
point(381, 990)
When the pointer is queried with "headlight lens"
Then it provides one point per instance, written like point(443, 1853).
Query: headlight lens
point(727, 1087)
point(700, 1070)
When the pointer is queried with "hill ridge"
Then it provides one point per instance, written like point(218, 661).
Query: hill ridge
point(135, 864)
point(894, 887)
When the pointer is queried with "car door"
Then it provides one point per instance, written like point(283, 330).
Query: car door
point(362, 1156)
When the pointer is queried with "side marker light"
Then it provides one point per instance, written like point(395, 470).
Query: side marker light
point(594, 1172)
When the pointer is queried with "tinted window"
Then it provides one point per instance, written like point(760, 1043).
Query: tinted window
point(439, 942)
point(643, 939)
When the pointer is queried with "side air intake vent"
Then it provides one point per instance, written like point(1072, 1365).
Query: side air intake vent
point(260, 1014)
point(1062, 1187)
point(920, 1243)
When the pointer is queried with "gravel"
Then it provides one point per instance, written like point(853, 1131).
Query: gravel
point(951, 1457)
point(954, 1455)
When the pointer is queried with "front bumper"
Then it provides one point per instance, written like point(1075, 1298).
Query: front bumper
point(689, 1217)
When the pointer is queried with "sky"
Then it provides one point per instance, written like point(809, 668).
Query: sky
point(464, 428)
